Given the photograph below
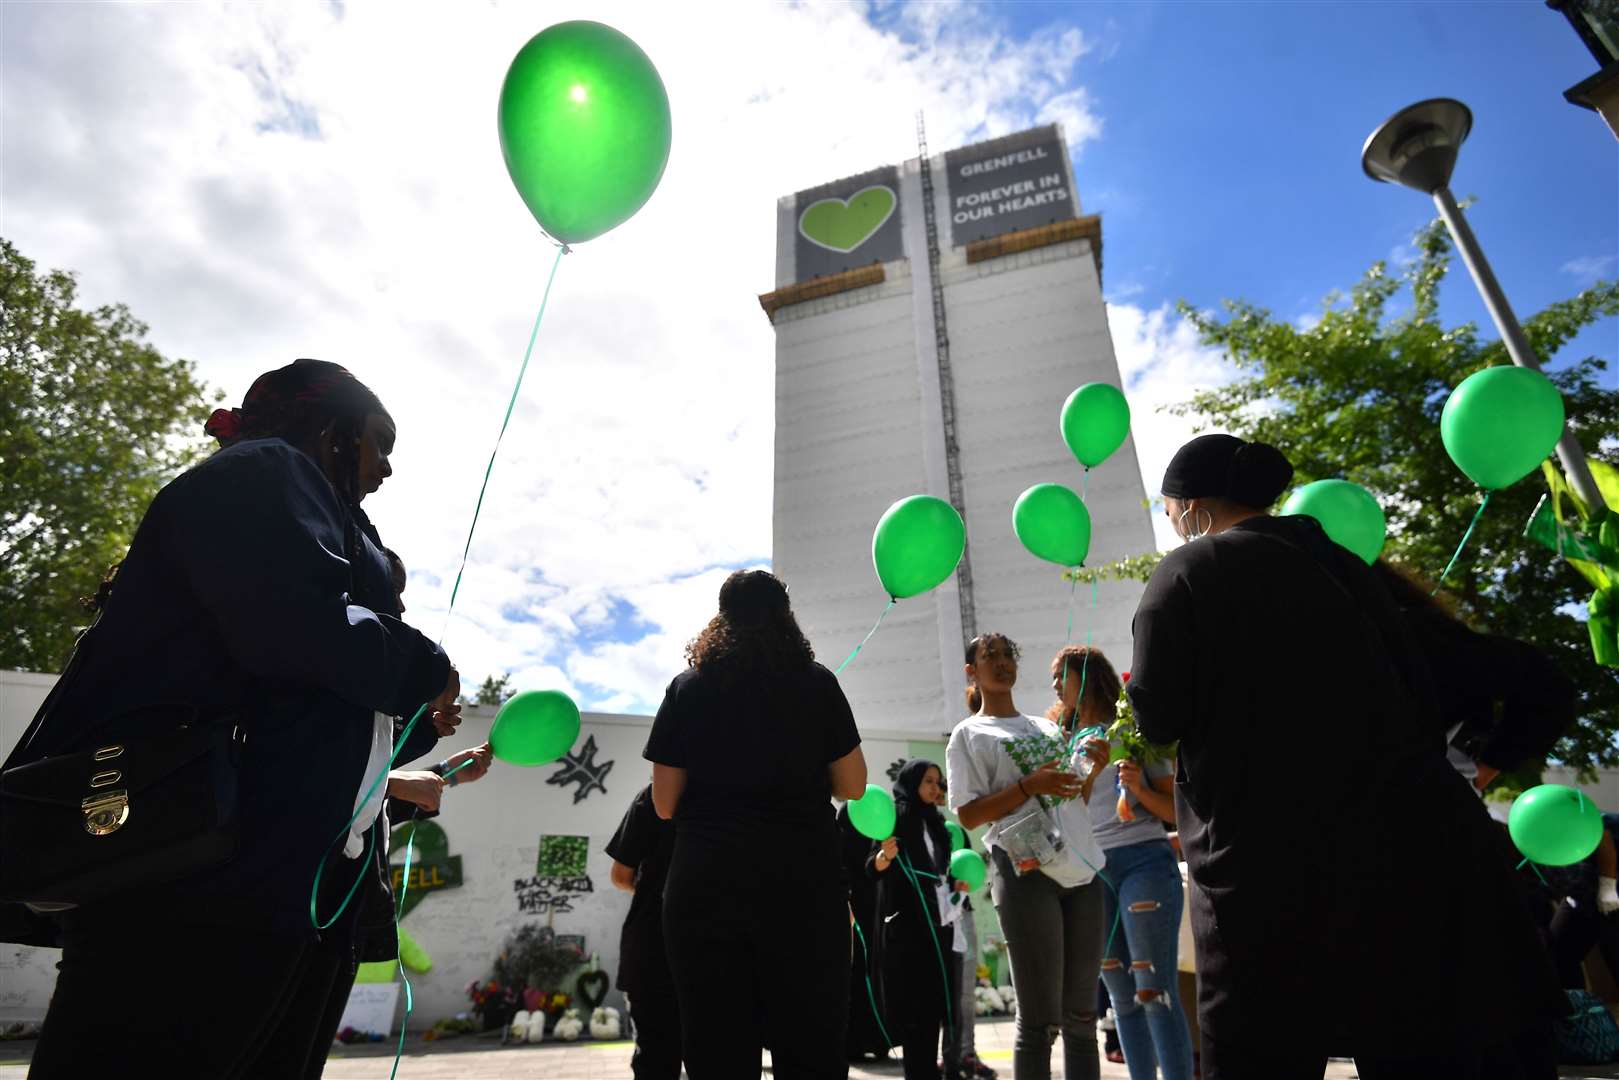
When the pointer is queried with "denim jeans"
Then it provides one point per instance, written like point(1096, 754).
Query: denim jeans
point(1153, 1033)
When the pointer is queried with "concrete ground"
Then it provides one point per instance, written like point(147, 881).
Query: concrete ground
point(483, 1058)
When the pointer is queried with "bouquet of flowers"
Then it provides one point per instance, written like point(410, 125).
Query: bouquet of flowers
point(1129, 743)
point(492, 1002)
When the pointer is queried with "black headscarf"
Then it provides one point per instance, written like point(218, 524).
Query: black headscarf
point(286, 401)
point(913, 815)
point(1251, 473)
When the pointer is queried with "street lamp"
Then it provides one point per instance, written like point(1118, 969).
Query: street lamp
point(1417, 148)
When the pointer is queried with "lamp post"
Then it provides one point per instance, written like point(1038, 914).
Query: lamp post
point(1417, 148)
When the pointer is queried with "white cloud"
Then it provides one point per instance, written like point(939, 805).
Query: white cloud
point(1162, 363)
point(265, 182)
point(1589, 268)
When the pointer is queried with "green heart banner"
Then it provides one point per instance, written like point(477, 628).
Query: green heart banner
point(844, 224)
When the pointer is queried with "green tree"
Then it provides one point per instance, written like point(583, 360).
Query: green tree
point(93, 421)
point(1359, 395)
point(494, 691)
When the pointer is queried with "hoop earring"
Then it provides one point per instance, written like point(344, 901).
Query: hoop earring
point(1194, 533)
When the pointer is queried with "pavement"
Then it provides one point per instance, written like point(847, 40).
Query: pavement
point(483, 1058)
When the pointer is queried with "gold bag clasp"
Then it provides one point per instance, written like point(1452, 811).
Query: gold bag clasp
point(105, 812)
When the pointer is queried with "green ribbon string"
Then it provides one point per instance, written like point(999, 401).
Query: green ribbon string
point(459, 767)
point(871, 995)
point(381, 777)
point(938, 951)
point(1536, 869)
point(1466, 536)
point(850, 658)
point(562, 249)
point(410, 999)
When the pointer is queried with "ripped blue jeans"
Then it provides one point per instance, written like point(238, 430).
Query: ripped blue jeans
point(1140, 967)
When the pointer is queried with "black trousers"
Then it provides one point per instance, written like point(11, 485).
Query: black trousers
point(214, 1003)
point(780, 954)
point(657, 1035)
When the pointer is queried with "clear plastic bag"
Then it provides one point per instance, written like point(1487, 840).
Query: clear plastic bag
point(1030, 841)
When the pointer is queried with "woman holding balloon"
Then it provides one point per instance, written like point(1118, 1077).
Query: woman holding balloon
point(1307, 895)
point(917, 909)
point(748, 748)
point(1012, 772)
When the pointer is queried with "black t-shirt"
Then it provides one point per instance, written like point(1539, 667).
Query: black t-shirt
point(644, 841)
point(756, 750)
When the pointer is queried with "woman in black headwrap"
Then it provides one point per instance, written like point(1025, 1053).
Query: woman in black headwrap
point(917, 908)
point(1261, 642)
point(253, 597)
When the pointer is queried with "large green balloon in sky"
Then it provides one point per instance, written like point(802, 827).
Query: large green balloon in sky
point(1500, 423)
point(584, 126)
point(873, 813)
point(535, 728)
point(917, 544)
point(1095, 420)
point(1554, 825)
point(1348, 513)
point(1053, 524)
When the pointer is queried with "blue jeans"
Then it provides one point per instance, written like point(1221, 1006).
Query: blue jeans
point(1142, 958)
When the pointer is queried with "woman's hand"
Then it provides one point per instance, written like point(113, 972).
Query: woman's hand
point(446, 714)
point(1131, 777)
point(887, 852)
point(480, 756)
point(962, 886)
point(425, 789)
point(1048, 780)
point(1100, 753)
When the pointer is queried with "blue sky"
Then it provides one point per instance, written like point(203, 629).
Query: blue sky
point(1229, 159)
point(262, 182)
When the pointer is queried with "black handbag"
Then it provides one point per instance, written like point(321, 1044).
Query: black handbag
point(154, 805)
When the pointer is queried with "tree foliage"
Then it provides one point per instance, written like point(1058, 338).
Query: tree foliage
point(494, 691)
point(93, 421)
point(1359, 395)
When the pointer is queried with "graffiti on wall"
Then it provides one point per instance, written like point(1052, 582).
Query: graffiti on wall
point(539, 895)
point(581, 768)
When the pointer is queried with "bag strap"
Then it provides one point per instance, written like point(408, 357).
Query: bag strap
point(48, 706)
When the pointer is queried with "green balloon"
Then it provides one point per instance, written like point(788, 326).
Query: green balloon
point(1500, 423)
point(584, 126)
point(873, 813)
point(1053, 523)
point(1348, 513)
point(969, 866)
point(958, 835)
point(917, 544)
point(1095, 420)
point(1554, 825)
point(535, 728)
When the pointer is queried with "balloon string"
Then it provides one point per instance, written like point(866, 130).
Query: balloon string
point(938, 950)
point(1084, 668)
point(850, 658)
point(1536, 869)
point(404, 888)
point(871, 995)
point(1466, 536)
point(1085, 486)
point(459, 767)
point(490, 468)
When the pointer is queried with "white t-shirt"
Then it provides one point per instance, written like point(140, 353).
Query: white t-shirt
point(988, 754)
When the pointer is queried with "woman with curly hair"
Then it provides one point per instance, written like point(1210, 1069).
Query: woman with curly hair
point(751, 743)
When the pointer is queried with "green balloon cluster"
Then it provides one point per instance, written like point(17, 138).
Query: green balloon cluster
point(1500, 423)
point(1053, 523)
point(1554, 825)
point(917, 544)
point(968, 866)
point(1348, 513)
point(958, 835)
point(584, 127)
point(873, 813)
point(1095, 420)
point(535, 728)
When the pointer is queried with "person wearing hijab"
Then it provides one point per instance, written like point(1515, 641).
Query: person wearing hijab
point(751, 743)
point(918, 905)
point(243, 600)
point(1261, 642)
